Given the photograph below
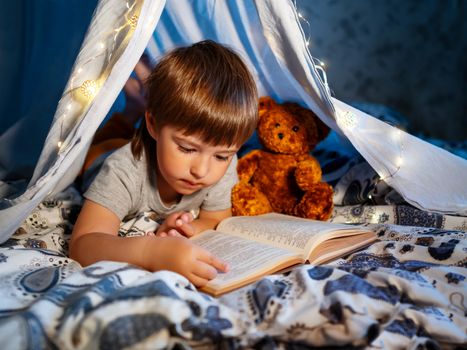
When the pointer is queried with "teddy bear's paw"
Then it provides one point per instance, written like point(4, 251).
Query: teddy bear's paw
point(247, 200)
point(316, 203)
point(308, 174)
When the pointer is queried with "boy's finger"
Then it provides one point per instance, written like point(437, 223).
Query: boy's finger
point(174, 217)
point(197, 281)
point(173, 233)
point(184, 218)
point(187, 217)
point(204, 270)
point(187, 230)
point(214, 261)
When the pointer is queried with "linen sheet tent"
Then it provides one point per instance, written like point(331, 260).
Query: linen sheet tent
point(269, 37)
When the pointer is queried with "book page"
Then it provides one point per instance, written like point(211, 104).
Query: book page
point(337, 247)
point(244, 257)
point(295, 234)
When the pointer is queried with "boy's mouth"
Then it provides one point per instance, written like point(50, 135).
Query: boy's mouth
point(190, 184)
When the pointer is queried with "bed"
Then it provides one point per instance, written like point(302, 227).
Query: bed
point(407, 291)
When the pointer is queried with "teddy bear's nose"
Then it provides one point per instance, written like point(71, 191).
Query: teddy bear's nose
point(280, 135)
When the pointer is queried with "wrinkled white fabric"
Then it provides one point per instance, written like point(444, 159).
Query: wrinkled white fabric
point(426, 176)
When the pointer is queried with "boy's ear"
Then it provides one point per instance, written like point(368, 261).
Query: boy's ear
point(151, 125)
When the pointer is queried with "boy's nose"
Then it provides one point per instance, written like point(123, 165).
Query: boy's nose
point(199, 167)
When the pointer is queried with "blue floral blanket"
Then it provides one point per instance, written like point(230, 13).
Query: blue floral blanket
point(407, 291)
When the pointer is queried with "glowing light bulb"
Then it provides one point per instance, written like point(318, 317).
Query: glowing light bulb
point(89, 89)
point(101, 45)
point(133, 21)
point(348, 120)
point(59, 144)
point(396, 135)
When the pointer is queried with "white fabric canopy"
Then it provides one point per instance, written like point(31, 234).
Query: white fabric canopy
point(267, 34)
point(104, 56)
point(427, 176)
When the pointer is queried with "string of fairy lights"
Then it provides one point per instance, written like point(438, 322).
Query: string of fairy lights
point(399, 161)
point(349, 120)
point(84, 84)
point(320, 66)
point(397, 137)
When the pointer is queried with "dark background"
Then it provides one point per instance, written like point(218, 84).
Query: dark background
point(410, 55)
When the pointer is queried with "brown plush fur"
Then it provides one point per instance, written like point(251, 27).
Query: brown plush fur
point(284, 177)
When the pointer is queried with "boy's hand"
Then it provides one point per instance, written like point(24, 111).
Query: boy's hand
point(182, 256)
point(177, 224)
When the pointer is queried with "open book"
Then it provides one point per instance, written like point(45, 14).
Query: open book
point(255, 246)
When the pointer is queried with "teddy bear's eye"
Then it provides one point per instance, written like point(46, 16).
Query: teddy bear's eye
point(277, 125)
point(295, 128)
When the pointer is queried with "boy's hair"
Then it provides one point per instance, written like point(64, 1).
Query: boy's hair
point(204, 89)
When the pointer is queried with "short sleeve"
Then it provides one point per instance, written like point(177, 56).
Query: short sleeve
point(219, 196)
point(115, 185)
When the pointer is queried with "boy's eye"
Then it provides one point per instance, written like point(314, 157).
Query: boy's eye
point(186, 149)
point(222, 158)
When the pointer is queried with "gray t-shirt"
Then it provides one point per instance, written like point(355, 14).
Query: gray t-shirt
point(124, 187)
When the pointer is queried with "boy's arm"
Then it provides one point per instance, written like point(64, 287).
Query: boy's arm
point(95, 238)
point(95, 228)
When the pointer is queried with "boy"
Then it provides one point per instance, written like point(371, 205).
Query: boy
point(181, 164)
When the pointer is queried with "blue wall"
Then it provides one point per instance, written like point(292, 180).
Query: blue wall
point(39, 41)
point(407, 54)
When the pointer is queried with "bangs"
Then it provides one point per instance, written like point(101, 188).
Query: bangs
point(216, 122)
point(206, 90)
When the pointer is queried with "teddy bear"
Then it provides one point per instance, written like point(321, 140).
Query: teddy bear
point(283, 177)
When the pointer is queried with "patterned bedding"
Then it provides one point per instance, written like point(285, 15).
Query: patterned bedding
point(407, 291)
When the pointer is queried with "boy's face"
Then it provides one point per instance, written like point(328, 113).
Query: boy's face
point(185, 164)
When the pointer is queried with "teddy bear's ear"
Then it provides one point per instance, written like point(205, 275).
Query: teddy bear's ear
point(323, 129)
point(265, 104)
point(309, 118)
